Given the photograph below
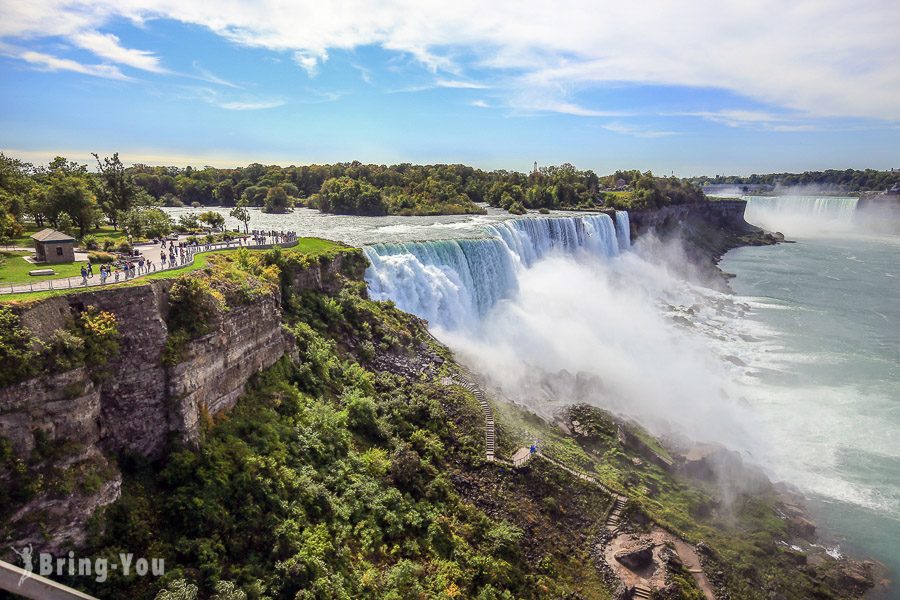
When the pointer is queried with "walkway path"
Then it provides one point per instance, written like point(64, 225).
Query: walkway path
point(148, 251)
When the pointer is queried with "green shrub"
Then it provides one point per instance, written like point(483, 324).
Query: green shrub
point(125, 248)
point(100, 333)
point(19, 350)
point(100, 258)
point(516, 208)
point(90, 242)
point(108, 245)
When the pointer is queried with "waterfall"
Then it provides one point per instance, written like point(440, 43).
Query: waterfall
point(623, 229)
point(453, 283)
point(801, 214)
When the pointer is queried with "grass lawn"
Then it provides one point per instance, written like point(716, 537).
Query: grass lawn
point(14, 269)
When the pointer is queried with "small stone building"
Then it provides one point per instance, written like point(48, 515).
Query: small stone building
point(53, 246)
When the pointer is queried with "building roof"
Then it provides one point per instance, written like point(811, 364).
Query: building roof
point(51, 235)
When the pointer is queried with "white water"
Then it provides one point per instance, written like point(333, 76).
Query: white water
point(454, 283)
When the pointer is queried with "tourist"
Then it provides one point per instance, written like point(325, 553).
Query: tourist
point(84, 275)
point(90, 269)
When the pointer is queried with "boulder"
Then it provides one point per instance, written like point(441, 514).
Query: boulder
point(802, 527)
point(636, 557)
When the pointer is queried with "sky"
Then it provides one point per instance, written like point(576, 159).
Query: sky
point(690, 88)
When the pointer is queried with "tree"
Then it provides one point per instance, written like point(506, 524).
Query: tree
point(69, 193)
point(255, 195)
point(241, 213)
point(147, 222)
point(276, 200)
point(117, 193)
point(224, 193)
point(343, 195)
point(213, 220)
point(15, 188)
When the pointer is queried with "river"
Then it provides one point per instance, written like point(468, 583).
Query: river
point(827, 311)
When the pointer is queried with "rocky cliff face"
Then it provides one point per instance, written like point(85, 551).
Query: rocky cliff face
point(139, 400)
point(706, 231)
point(727, 214)
point(136, 401)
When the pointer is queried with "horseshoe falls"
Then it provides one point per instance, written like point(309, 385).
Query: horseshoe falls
point(453, 283)
point(801, 215)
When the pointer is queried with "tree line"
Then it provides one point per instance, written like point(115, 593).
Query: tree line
point(847, 180)
point(407, 189)
point(69, 196)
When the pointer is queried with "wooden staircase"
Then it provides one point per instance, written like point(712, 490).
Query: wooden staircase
point(614, 519)
point(465, 380)
point(641, 591)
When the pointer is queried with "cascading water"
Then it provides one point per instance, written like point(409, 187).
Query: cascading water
point(801, 214)
point(623, 229)
point(452, 283)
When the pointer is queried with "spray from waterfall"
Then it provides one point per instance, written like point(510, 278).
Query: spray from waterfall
point(554, 311)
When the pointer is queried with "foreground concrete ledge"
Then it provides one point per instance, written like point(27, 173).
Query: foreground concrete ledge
point(35, 586)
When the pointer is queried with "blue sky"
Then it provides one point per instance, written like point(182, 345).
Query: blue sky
point(713, 88)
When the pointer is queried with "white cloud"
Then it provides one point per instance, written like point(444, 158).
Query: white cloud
point(309, 62)
point(227, 101)
point(821, 58)
point(479, 104)
point(462, 85)
point(635, 131)
point(49, 62)
point(204, 75)
point(756, 119)
point(257, 105)
point(106, 45)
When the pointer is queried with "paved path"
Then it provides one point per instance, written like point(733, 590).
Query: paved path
point(150, 252)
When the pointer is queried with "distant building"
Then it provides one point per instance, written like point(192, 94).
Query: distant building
point(51, 246)
point(895, 191)
point(621, 184)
